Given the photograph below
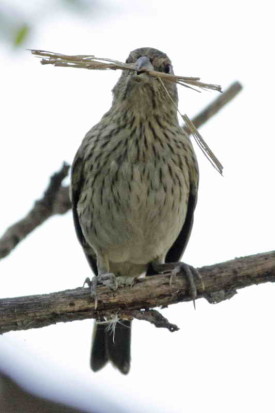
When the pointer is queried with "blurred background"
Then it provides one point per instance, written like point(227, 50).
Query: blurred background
point(222, 359)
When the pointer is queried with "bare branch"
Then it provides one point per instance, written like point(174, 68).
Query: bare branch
point(54, 201)
point(219, 282)
point(59, 200)
point(217, 104)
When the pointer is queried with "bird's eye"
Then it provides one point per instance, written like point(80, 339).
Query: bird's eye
point(167, 68)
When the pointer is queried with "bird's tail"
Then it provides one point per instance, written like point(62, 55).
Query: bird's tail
point(111, 344)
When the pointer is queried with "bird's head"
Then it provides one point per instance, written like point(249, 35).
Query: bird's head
point(140, 90)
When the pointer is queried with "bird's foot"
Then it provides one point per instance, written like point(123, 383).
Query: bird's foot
point(126, 281)
point(108, 279)
point(191, 274)
point(180, 268)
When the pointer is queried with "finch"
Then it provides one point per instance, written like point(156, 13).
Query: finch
point(134, 190)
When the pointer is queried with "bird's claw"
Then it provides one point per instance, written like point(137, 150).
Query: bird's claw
point(87, 281)
point(184, 269)
point(190, 273)
point(108, 279)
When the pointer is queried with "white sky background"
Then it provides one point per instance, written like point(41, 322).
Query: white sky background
point(222, 359)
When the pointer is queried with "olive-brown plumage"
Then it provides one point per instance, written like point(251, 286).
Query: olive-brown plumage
point(134, 188)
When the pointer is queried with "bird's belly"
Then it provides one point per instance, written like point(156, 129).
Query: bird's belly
point(137, 211)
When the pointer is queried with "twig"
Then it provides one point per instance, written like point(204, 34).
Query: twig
point(54, 201)
point(219, 282)
point(152, 316)
point(61, 204)
point(217, 104)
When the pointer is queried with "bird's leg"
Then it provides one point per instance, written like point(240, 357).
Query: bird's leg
point(104, 277)
point(180, 268)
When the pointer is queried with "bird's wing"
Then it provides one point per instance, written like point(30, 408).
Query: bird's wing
point(180, 244)
point(77, 181)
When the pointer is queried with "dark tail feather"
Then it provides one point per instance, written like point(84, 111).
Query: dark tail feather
point(99, 355)
point(112, 346)
point(119, 346)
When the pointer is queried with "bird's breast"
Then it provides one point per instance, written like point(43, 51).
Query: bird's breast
point(137, 200)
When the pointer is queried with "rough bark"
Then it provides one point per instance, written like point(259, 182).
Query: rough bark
point(219, 282)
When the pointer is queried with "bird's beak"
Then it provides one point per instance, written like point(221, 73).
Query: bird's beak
point(142, 63)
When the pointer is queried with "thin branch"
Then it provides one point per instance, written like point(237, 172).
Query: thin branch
point(153, 317)
point(219, 282)
point(54, 201)
point(217, 104)
point(59, 197)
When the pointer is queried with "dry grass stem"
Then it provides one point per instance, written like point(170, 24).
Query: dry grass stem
point(197, 136)
point(202, 144)
point(101, 63)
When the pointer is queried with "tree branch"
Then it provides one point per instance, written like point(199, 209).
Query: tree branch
point(219, 282)
point(54, 201)
point(217, 104)
point(56, 198)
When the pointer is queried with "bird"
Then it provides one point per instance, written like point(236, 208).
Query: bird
point(134, 186)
